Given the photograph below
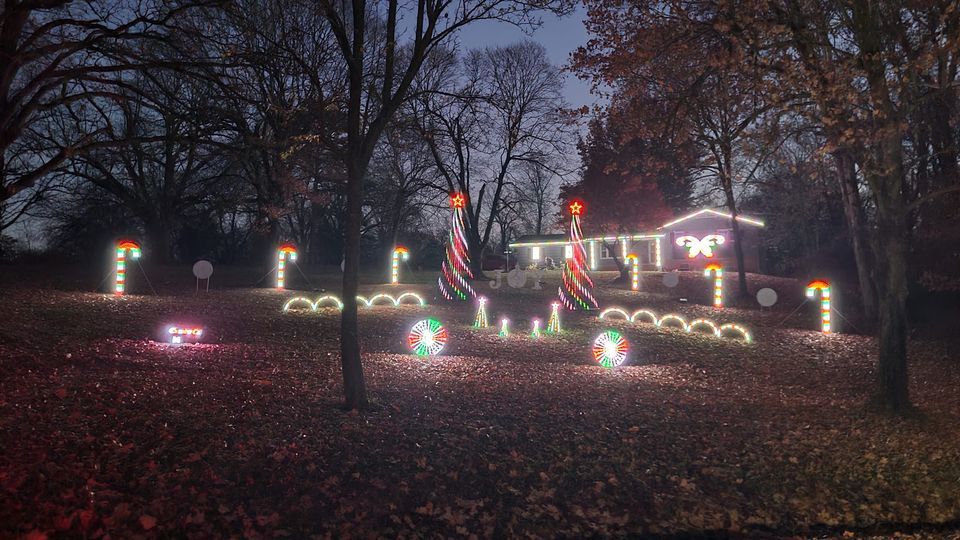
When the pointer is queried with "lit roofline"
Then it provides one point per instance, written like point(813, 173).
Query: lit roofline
point(592, 239)
point(756, 222)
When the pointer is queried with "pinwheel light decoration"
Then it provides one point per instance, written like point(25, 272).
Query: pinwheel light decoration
point(697, 246)
point(427, 338)
point(610, 349)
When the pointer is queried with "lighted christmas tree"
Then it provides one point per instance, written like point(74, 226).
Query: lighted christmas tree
point(575, 291)
point(456, 265)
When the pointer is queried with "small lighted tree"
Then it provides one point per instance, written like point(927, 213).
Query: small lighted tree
point(576, 289)
point(456, 265)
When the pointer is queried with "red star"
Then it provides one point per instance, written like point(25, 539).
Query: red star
point(576, 208)
point(457, 200)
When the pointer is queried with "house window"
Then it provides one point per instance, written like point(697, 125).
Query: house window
point(535, 253)
point(568, 251)
point(606, 252)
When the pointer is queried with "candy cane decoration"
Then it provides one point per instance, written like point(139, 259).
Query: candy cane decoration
point(717, 271)
point(399, 253)
point(634, 271)
point(122, 247)
point(286, 251)
point(824, 288)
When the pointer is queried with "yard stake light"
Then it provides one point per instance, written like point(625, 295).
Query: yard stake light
point(399, 253)
point(504, 327)
point(122, 248)
point(634, 271)
point(535, 333)
point(717, 271)
point(481, 320)
point(178, 334)
point(286, 251)
point(553, 324)
point(824, 288)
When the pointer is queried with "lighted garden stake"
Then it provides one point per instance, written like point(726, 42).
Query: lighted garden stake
point(634, 271)
point(286, 251)
point(610, 349)
point(824, 288)
point(399, 253)
point(535, 333)
point(717, 271)
point(553, 324)
point(122, 248)
point(427, 337)
point(504, 327)
point(178, 334)
point(481, 320)
point(575, 292)
point(456, 264)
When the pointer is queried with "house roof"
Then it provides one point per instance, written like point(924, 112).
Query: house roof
point(710, 212)
point(561, 239)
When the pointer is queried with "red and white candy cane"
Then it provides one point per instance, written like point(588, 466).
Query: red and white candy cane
point(122, 248)
point(286, 251)
point(717, 271)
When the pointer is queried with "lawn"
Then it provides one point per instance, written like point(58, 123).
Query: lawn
point(105, 432)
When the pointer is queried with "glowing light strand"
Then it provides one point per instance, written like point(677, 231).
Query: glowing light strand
point(717, 272)
point(399, 253)
point(427, 337)
point(610, 349)
point(504, 327)
point(377, 299)
point(535, 332)
point(122, 248)
point(286, 252)
point(823, 288)
point(673, 320)
point(575, 290)
point(453, 285)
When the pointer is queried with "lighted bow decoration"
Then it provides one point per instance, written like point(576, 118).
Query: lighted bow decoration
point(695, 246)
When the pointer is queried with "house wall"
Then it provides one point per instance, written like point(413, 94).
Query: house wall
point(599, 260)
point(676, 257)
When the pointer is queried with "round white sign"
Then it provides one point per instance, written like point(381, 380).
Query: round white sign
point(766, 297)
point(203, 269)
point(671, 279)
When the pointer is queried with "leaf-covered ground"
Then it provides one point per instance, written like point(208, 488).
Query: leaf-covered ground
point(104, 432)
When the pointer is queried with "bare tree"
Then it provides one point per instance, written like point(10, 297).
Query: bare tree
point(375, 95)
point(506, 114)
point(54, 53)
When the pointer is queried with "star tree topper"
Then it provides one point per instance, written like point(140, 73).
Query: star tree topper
point(576, 208)
point(457, 200)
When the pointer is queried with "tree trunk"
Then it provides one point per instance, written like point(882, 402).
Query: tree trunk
point(354, 387)
point(622, 265)
point(158, 236)
point(893, 393)
point(727, 182)
point(847, 178)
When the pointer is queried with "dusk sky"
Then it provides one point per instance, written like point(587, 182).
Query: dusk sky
point(559, 35)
